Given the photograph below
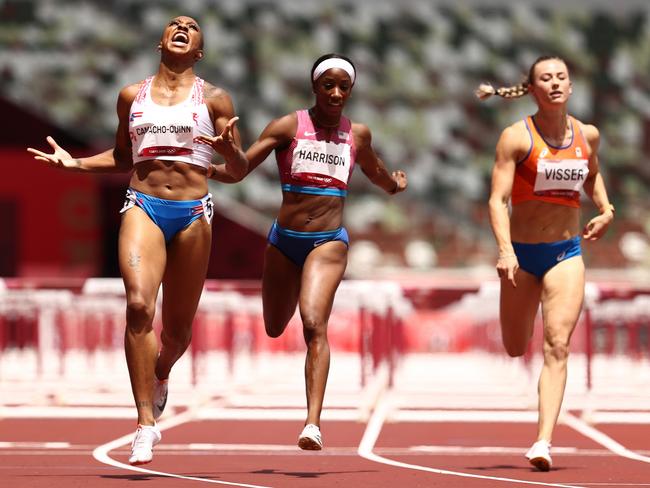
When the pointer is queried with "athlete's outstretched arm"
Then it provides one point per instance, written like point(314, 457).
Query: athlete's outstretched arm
point(276, 135)
point(372, 166)
point(115, 160)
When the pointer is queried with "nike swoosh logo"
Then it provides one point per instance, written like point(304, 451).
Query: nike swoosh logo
point(309, 134)
point(161, 406)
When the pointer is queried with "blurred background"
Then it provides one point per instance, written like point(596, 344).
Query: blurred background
point(63, 62)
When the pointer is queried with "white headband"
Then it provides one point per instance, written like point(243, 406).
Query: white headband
point(330, 63)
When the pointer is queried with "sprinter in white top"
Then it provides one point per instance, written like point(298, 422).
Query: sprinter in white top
point(165, 235)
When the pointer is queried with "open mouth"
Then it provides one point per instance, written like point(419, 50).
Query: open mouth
point(180, 38)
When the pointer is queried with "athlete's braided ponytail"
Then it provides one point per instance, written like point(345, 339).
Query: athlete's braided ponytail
point(485, 91)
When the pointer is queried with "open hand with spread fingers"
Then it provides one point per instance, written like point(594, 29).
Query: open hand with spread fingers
point(224, 143)
point(60, 158)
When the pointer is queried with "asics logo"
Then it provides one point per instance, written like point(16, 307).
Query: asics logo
point(560, 256)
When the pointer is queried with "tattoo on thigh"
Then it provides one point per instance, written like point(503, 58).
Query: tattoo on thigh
point(134, 260)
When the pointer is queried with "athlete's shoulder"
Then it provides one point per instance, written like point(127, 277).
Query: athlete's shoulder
point(218, 99)
point(285, 122)
point(129, 92)
point(282, 128)
point(516, 129)
point(361, 133)
point(211, 91)
point(515, 135)
point(591, 132)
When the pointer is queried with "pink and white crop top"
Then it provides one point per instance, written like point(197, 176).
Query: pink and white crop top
point(315, 165)
point(168, 132)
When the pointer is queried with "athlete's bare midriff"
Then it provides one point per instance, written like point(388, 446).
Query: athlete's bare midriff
point(171, 180)
point(535, 221)
point(310, 213)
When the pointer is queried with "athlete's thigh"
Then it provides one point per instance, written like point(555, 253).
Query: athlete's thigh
point(280, 287)
point(562, 297)
point(141, 255)
point(188, 254)
point(322, 274)
point(518, 306)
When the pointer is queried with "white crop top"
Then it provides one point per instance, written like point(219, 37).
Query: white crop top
point(168, 132)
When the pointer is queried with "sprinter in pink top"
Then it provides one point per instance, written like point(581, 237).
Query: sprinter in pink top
point(305, 259)
point(317, 162)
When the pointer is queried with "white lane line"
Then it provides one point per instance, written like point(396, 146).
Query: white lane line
point(66, 412)
point(34, 445)
point(614, 417)
point(201, 449)
point(525, 416)
point(297, 413)
point(601, 438)
point(609, 485)
point(373, 430)
point(219, 413)
point(100, 453)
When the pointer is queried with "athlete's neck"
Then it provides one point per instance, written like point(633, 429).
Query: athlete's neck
point(324, 121)
point(553, 125)
point(175, 76)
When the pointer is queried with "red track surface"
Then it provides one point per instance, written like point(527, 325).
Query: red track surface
point(338, 465)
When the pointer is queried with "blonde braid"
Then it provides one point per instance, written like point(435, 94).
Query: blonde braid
point(485, 91)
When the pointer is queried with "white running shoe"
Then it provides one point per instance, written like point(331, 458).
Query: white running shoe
point(160, 390)
point(539, 455)
point(145, 438)
point(310, 438)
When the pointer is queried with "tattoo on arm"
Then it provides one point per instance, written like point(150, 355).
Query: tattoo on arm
point(77, 162)
point(212, 92)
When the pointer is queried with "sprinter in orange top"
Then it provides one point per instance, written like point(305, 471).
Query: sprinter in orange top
point(542, 163)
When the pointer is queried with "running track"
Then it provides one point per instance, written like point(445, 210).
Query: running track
point(405, 437)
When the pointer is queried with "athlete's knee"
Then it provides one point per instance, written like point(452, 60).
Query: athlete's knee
point(274, 328)
point(139, 313)
point(276, 319)
point(516, 336)
point(314, 328)
point(515, 350)
point(556, 349)
point(514, 346)
point(179, 337)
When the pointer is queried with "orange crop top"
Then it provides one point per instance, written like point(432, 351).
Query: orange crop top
point(549, 173)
